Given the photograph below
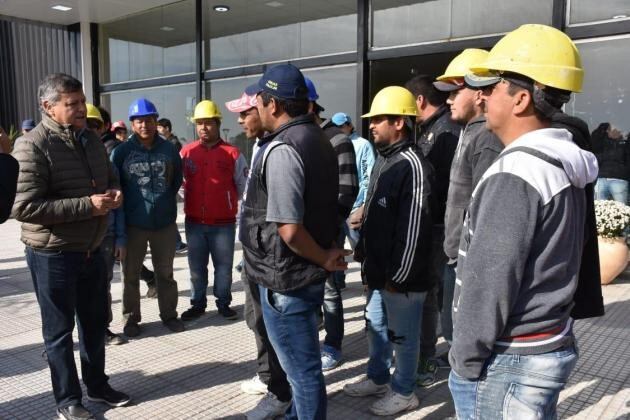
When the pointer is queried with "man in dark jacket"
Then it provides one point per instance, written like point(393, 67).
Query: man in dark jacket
point(348, 190)
point(288, 226)
point(476, 150)
point(150, 175)
point(613, 158)
point(394, 248)
point(437, 137)
point(66, 188)
point(8, 176)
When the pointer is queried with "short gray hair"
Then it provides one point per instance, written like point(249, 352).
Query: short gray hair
point(53, 85)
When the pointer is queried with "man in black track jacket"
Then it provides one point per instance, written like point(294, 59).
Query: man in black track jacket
point(394, 248)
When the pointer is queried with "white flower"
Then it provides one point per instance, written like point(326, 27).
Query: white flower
point(612, 217)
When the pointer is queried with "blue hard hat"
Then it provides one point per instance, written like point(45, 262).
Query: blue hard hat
point(28, 124)
point(142, 108)
point(312, 92)
point(340, 119)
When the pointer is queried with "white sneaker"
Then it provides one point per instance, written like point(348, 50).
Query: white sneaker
point(364, 388)
point(393, 403)
point(254, 386)
point(269, 407)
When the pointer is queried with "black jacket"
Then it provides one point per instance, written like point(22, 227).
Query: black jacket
point(437, 137)
point(395, 241)
point(8, 183)
point(613, 157)
point(588, 298)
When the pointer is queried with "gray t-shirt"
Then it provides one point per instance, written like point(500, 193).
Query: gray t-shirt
point(284, 172)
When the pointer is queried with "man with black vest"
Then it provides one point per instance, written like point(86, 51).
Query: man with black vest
point(288, 228)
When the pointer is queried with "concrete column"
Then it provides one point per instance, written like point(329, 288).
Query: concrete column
point(86, 61)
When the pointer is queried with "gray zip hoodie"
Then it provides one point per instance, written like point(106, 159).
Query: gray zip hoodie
point(520, 251)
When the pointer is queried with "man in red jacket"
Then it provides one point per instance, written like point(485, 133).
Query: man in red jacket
point(215, 174)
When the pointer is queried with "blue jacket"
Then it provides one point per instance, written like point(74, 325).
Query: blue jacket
point(150, 179)
point(364, 153)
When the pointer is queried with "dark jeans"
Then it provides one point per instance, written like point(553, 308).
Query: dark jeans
point(69, 284)
point(291, 323)
point(433, 301)
point(269, 369)
point(446, 315)
point(333, 313)
point(107, 251)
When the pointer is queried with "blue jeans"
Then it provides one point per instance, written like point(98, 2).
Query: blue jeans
point(69, 284)
point(291, 321)
point(393, 321)
point(611, 189)
point(205, 241)
point(514, 386)
point(333, 314)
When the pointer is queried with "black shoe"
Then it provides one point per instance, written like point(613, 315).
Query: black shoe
point(112, 339)
point(109, 396)
point(181, 249)
point(227, 312)
point(74, 412)
point(131, 329)
point(193, 312)
point(174, 324)
point(239, 266)
point(151, 291)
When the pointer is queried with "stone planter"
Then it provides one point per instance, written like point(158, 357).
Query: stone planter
point(613, 258)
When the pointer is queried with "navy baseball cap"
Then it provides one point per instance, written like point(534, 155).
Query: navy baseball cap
point(28, 124)
point(284, 81)
point(340, 119)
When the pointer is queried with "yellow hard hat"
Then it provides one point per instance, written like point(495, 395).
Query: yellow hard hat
point(460, 65)
point(542, 53)
point(393, 100)
point(93, 112)
point(206, 109)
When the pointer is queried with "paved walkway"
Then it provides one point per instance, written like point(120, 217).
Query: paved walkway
point(196, 374)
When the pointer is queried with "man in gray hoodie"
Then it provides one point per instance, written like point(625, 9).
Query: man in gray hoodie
point(519, 258)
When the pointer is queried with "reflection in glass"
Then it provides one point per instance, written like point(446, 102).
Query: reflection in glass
point(603, 97)
point(175, 102)
point(582, 11)
point(404, 22)
point(158, 42)
point(260, 31)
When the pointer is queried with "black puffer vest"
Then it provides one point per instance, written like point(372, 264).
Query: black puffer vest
point(268, 260)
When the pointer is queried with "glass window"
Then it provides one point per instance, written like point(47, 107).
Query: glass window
point(260, 31)
point(336, 87)
point(401, 22)
point(175, 102)
point(605, 93)
point(583, 11)
point(158, 42)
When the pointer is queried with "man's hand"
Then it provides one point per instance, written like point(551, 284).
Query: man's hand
point(120, 253)
point(5, 142)
point(390, 288)
point(117, 196)
point(335, 259)
point(101, 204)
point(356, 218)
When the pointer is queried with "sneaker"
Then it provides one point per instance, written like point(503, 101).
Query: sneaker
point(131, 329)
point(239, 266)
point(393, 403)
point(174, 325)
point(151, 291)
point(364, 388)
point(254, 386)
point(109, 396)
point(427, 371)
point(74, 412)
point(193, 312)
point(181, 249)
point(227, 312)
point(269, 407)
point(112, 339)
point(331, 358)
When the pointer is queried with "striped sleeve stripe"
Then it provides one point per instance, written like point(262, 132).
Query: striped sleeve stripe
point(413, 228)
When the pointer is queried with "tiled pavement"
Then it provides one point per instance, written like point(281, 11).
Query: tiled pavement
point(196, 374)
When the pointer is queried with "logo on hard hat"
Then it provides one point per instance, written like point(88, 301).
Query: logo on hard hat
point(271, 85)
